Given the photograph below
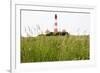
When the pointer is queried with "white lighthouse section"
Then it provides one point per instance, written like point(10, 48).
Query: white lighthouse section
point(34, 23)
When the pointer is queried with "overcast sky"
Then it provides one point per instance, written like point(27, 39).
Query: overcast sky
point(74, 23)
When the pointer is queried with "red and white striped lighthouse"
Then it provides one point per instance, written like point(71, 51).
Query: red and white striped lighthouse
point(55, 24)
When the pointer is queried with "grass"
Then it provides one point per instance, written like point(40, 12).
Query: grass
point(54, 48)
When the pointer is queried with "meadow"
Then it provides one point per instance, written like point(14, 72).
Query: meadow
point(54, 48)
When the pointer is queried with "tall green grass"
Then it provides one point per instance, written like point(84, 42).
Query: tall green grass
point(54, 48)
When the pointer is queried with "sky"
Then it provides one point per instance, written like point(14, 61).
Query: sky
point(36, 22)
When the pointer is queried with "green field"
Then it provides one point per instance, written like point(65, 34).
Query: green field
point(54, 48)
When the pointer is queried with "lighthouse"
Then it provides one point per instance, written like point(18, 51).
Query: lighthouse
point(55, 24)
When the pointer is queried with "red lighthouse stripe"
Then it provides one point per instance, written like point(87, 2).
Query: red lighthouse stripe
point(55, 23)
point(55, 16)
point(55, 30)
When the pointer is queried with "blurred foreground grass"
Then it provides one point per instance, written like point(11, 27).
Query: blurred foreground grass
point(54, 48)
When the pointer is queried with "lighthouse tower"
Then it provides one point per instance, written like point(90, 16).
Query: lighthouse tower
point(55, 24)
